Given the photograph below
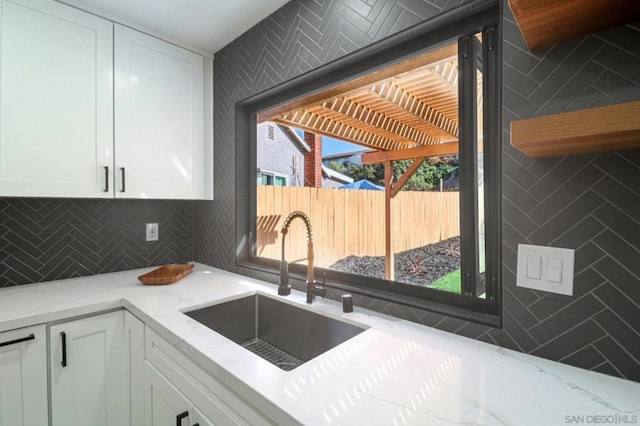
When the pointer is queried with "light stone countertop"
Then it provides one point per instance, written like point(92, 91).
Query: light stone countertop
point(395, 372)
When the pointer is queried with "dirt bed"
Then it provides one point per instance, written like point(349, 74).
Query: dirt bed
point(419, 266)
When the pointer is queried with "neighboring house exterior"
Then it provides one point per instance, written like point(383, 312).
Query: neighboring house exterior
point(353, 157)
point(280, 155)
point(333, 179)
point(281, 159)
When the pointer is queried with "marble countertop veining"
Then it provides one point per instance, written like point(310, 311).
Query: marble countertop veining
point(394, 373)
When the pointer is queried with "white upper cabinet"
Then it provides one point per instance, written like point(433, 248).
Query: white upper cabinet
point(66, 131)
point(160, 118)
point(56, 101)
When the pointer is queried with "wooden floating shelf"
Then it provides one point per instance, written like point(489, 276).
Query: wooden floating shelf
point(610, 128)
point(546, 22)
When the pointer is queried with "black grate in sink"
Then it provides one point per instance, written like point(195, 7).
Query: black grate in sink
point(272, 354)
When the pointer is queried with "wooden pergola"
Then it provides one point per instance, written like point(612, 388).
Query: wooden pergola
point(406, 111)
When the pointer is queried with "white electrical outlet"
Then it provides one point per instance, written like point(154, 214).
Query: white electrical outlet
point(152, 232)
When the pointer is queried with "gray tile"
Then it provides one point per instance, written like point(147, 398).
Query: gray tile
point(574, 212)
point(607, 368)
point(518, 104)
point(451, 324)
point(568, 68)
point(419, 8)
point(518, 309)
point(620, 305)
point(620, 62)
point(623, 254)
point(558, 175)
point(518, 195)
point(517, 81)
point(472, 330)
point(624, 37)
point(617, 87)
point(519, 175)
point(617, 167)
point(625, 227)
point(504, 340)
point(619, 359)
point(565, 191)
point(571, 90)
point(550, 304)
point(573, 313)
point(620, 332)
point(518, 219)
point(586, 256)
point(518, 57)
point(590, 98)
point(552, 60)
point(586, 358)
point(580, 234)
point(568, 342)
point(514, 328)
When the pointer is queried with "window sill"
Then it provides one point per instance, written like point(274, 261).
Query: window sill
point(446, 309)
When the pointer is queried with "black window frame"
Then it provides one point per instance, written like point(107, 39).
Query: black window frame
point(460, 23)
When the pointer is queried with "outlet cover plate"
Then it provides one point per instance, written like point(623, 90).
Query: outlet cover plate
point(152, 232)
point(546, 268)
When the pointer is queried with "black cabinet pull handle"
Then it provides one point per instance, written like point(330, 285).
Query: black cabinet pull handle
point(106, 178)
point(181, 416)
point(123, 186)
point(64, 348)
point(197, 424)
point(13, 342)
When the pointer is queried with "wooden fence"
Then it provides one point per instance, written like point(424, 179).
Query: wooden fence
point(351, 222)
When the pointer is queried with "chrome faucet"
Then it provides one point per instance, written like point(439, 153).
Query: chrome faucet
point(313, 289)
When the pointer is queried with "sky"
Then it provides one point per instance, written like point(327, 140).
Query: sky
point(333, 146)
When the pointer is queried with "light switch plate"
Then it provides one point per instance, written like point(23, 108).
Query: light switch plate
point(546, 268)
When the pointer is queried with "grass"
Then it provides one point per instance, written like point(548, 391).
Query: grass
point(449, 282)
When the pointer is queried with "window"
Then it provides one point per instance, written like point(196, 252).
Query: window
point(465, 136)
point(271, 178)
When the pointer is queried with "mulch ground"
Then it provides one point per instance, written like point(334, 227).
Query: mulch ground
point(419, 266)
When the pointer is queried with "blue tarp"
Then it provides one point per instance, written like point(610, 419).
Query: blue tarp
point(362, 184)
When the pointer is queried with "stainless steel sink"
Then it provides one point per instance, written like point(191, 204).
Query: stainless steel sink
point(283, 334)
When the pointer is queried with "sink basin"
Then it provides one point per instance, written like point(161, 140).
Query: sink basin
point(283, 334)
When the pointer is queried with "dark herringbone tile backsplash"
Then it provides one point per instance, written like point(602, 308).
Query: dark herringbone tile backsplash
point(48, 239)
point(589, 203)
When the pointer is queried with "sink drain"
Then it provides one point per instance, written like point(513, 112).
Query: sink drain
point(272, 354)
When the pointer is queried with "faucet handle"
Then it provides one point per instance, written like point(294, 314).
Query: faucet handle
point(284, 289)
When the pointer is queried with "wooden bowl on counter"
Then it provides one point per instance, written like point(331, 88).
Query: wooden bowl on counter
point(167, 274)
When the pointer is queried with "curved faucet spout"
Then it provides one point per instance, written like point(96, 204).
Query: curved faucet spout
point(284, 288)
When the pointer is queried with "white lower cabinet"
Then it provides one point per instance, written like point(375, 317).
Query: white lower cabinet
point(166, 405)
point(112, 370)
point(89, 384)
point(174, 385)
point(23, 377)
point(134, 364)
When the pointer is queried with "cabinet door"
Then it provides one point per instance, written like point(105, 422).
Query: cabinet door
point(87, 366)
point(159, 118)
point(56, 101)
point(163, 403)
point(134, 363)
point(23, 377)
point(200, 419)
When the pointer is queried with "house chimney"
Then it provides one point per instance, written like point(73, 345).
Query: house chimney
point(313, 161)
